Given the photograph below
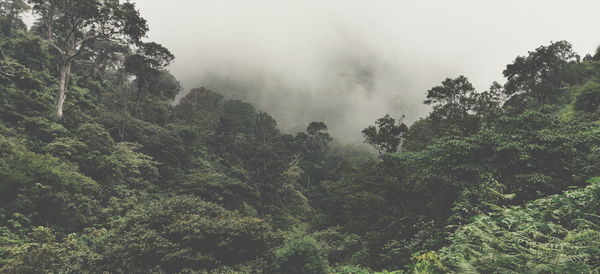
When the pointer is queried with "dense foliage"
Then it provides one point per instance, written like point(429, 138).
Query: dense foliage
point(559, 233)
point(102, 171)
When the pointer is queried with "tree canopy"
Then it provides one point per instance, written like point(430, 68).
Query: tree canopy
point(139, 176)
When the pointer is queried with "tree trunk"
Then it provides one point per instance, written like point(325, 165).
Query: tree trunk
point(64, 73)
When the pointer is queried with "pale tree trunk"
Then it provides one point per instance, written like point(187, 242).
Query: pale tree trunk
point(63, 84)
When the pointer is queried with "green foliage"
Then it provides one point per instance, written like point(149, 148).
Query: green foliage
point(128, 181)
point(157, 142)
point(10, 239)
point(351, 269)
point(45, 190)
point(428, 262)
point(419, 135)
point(553, 234)
point(588, 99)
point(458, 110)
point(300, 253)
point(542, 73)
point(39, 255)
point(70, 29)
point(341, 248)
point(207, 182)
point(200, 106)
point(528, 155)
point(95, 137)
point(30, 51)
point(386, 135)
point(24, 78)
point(43, 251)
point(237, 117)
point(10, 15)
point(42, 130)
point(452, 91)
point(13, 72)
point(184, 232)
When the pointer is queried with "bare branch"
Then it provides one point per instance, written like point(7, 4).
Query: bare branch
point(57, 48)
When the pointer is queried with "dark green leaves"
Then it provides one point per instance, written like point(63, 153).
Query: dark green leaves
point(542, 73)
point(385, 135)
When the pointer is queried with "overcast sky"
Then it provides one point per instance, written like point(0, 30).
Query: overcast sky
point(349, 62)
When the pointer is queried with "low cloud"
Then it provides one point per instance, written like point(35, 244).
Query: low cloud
point(347, 63)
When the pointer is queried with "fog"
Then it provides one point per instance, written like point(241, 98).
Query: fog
point(347, 63)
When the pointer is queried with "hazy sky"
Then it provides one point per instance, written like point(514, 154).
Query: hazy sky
point(347, 62)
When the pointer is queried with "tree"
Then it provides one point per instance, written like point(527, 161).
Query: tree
point(199, 107)
point(596, 56)
point(458, 109)
point(103, 55)
point(71, 26)
point(452, 91)
point(184, 233)
point(300, 254)
point(542, 73)
point(452, 100)
point(311, 148)
point(312, 143)
point(317, 134)
point(40, 254)
point(10, 15)
point(148, 65)
point(385, 135)
point(486, 104)
point(45, 189)
point(589, 98)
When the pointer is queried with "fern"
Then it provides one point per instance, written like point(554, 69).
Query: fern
point(556, 234)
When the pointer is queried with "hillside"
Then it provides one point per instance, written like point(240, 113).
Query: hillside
point(101, 172)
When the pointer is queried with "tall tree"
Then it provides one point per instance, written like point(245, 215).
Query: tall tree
point(451, 100)
point(455, 103)
point(542, 73)
point(71, 26)
point(452, 91)
point(385, 135)
point(147, 65)
point(103, 56)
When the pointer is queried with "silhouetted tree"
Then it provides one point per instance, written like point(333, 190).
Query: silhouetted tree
point(385, 135)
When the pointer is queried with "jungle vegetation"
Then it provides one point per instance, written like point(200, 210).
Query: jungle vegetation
point(101, 171)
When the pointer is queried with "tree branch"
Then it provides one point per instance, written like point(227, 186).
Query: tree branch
point(56, 47)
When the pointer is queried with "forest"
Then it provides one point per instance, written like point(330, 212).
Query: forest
point(102, 171)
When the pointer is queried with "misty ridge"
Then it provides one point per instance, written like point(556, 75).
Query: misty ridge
point(348, 63)
point(345, 83)
point(349, 88)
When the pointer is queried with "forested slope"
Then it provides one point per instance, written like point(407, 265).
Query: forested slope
point(125, 180)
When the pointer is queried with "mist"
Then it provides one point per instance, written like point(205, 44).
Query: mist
point(347, 63)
